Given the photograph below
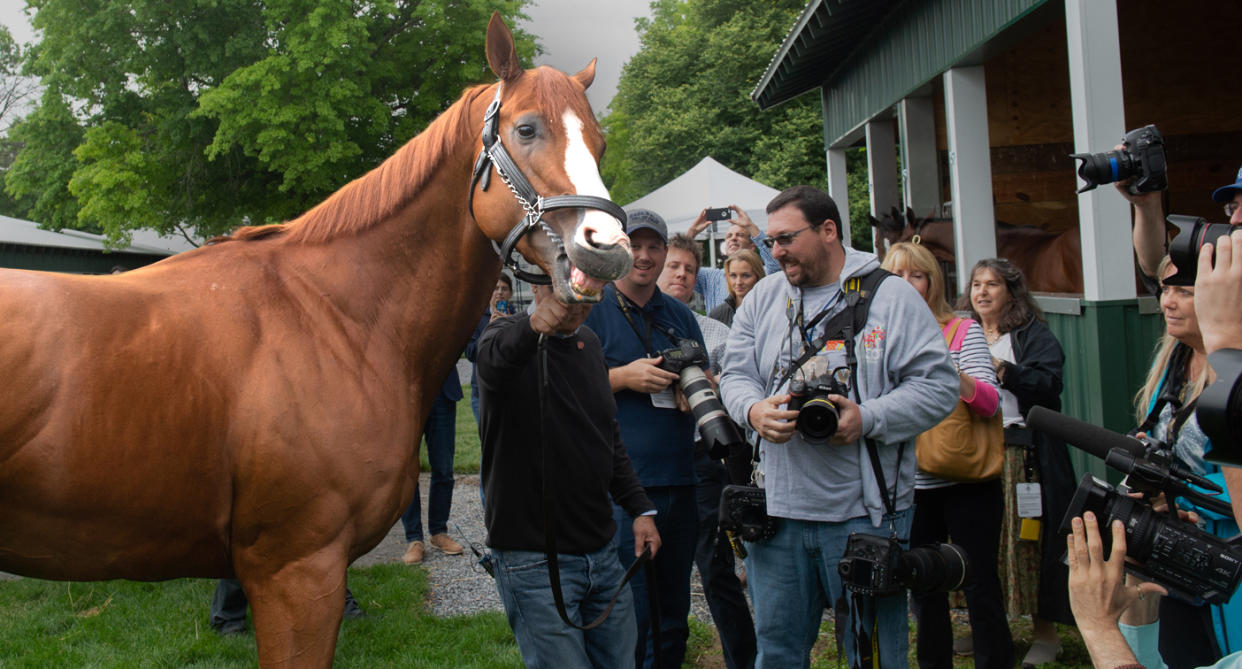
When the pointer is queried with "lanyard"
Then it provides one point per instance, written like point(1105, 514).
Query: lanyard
point(624, 303)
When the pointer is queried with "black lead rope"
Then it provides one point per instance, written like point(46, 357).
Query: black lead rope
point(643, 561)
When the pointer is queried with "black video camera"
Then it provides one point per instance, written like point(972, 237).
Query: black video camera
point(879, 566)
point(1141, 155)
point(1190, 563)
point(817, 415)
point(716, 429)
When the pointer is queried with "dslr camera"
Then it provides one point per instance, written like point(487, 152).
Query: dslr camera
point(879, 567)
point(1141, 155)
point(717, 430)
point(818, 415)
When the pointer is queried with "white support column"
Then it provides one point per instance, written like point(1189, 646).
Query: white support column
point(920, 174)
point(1098, 111)
point(882, 167)
point(970, 168)
point(839, 189)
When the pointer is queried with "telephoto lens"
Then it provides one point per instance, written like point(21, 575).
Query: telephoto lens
point(935, 568)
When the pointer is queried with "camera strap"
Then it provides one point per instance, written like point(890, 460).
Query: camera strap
point(857, 292)
point(624, 303)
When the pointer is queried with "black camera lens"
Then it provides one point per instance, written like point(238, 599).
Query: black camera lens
point(1193, 233)
point(1220, 408)
point(1141, 156)
point(817, 419)
point(1103, 168)
point(935, 568)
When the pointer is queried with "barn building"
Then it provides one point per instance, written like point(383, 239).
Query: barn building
point(982, 101)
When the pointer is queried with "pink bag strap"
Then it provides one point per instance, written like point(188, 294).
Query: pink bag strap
point(955, 332)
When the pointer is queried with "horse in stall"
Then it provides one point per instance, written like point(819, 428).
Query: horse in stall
point(253, 408)
point(1051, 262)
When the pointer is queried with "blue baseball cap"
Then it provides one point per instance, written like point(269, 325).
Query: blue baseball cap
point(645, 219)
point(1225, 194)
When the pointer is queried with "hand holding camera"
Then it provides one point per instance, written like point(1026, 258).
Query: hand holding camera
point(772, 422)
point(645, 376)
point(1218, 293)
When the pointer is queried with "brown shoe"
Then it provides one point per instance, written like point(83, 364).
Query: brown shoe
point(413, 554)
point(446, 544)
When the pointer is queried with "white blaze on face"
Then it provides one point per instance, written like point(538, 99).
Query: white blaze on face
point(584, 174)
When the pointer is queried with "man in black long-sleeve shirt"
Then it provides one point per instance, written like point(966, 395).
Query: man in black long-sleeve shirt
point(574, 419)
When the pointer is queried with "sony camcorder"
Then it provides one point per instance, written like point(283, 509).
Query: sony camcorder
point(1190, 563)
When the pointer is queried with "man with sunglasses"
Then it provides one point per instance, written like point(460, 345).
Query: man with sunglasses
point(819, 492)
point(1151, 237)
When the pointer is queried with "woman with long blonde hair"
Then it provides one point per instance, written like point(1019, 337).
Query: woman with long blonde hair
point(969, 513)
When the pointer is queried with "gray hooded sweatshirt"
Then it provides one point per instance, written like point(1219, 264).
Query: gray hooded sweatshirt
point(905, 378)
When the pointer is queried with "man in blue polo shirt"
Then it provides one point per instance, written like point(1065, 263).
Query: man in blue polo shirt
point(635, 322)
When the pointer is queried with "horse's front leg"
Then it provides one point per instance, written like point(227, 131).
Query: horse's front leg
point(297, 610)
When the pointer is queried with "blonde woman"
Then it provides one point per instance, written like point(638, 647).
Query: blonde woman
point(969, 514)
point(1165, 409)
point(742, 270)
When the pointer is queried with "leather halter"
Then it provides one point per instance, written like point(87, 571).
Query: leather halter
point(535, 205)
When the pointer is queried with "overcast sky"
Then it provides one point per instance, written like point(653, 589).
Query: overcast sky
point(572, 32)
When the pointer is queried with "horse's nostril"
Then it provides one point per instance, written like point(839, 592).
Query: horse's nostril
point(589, 236)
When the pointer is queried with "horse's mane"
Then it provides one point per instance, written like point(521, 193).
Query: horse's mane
point(384, 190)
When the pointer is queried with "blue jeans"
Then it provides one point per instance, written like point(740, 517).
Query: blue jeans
point(440, 434)
point(677, 519)
point(793, 577)
point(588, 583)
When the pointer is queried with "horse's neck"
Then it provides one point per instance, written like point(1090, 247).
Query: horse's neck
point(423, 274)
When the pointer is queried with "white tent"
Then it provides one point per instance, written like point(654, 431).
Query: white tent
point(707, 184)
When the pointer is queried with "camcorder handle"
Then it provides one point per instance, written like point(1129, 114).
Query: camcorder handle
point(1154, 470)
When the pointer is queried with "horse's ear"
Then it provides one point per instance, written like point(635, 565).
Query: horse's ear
point(875, 222)
point(587, 75)
point(501, 54)
point(910, 214)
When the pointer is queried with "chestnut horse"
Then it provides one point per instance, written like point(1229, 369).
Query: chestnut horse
point(1052, 262)
point(253, 408)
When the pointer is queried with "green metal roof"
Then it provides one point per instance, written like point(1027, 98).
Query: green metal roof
point(819, 42)
point(867, 55)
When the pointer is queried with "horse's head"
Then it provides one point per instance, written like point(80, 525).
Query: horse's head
point(545, 144)
point(890, 228)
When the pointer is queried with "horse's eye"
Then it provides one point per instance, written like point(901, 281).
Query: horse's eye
point(526, 131)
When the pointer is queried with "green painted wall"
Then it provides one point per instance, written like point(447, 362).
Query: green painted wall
point(75, 261)
point(914, 46)
point(1108, 349)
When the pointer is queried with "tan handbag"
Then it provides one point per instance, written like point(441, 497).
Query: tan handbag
point(964, 446)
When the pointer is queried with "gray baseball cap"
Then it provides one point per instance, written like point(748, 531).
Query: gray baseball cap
point(640, 219)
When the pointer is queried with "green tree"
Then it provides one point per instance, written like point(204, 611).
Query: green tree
point(686, 95)
point(202, 115)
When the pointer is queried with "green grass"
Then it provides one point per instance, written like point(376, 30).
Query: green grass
point(129, 624)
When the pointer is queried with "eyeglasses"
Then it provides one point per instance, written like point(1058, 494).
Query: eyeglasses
point(1231, 207)
point(785, 238)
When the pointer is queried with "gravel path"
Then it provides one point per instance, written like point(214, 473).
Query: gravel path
point(458, 586)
